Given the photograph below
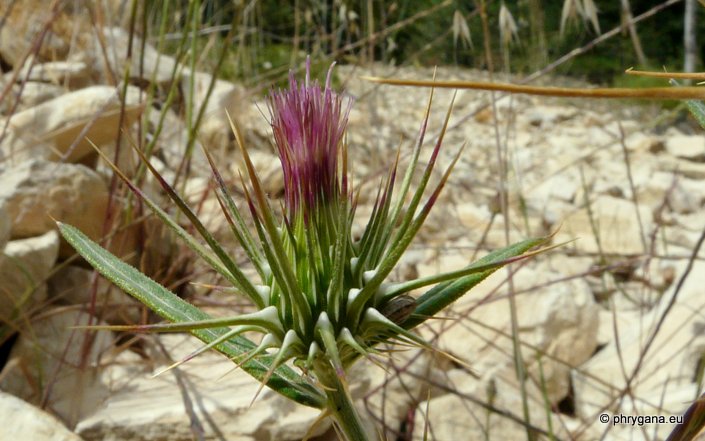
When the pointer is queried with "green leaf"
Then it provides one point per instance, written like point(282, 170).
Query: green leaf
point(697, 108)
point(443, 294)
point(169, 306)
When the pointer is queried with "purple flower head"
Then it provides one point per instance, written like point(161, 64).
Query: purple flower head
point(308, 125)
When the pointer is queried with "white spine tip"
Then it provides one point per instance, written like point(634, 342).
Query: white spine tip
point(264, 292)
point(383, 290)
point(270, 341)
point(271, 315)
point(352, 295)
point(353, 263)
point(323, 320)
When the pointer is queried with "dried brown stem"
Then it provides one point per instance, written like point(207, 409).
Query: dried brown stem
point(661, 93)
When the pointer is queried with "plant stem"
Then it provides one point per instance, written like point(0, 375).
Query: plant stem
point(339, 403)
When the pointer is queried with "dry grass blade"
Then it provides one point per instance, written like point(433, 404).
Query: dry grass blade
point(667, 75)
point(653, 93)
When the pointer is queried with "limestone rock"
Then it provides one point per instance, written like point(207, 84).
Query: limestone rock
point(639, 142)
point(73, 285)
point(559, 324)
point(268, 168)
point(27, 422)
point(547, 116)
point(461, 414)
point(21, 24)
point(473, 216)
point(159, 67)
point(689, 169)
point(70, 32)
point(666, 373)
point(215, 131)
point(394, 393)
point(616, 223)
point(60, 366)
point(690, 147)
point(681, 195)
point(73, 73)
point(563, 187)
point(38, 189)
point(172, 143)
point(25, 266)
point(609, 319)
point(61, 127)
point(153, 409)
point(31, 94)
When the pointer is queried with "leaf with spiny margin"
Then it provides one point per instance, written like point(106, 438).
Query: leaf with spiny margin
point(393, 290)
point(169, 306)
point(444, 294)
point(379, 246)
point(275, 269)
point(364, 244)
point(339, 257)
point(697, 109)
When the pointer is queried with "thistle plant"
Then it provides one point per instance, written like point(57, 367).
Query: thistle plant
point(323, 296)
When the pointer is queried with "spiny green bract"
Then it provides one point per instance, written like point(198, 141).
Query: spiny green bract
point(323, 292)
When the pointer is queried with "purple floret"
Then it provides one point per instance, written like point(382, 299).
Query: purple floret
point(308, 125)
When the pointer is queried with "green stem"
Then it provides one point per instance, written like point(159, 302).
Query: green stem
point(339, 403)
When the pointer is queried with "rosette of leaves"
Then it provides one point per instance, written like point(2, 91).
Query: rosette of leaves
point(323, 296)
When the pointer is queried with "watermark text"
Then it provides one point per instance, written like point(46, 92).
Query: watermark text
point(639, 420)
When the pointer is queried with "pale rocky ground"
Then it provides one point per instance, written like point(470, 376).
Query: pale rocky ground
point(586, 311)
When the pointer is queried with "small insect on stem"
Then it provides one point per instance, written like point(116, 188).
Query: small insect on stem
point(399, 308)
